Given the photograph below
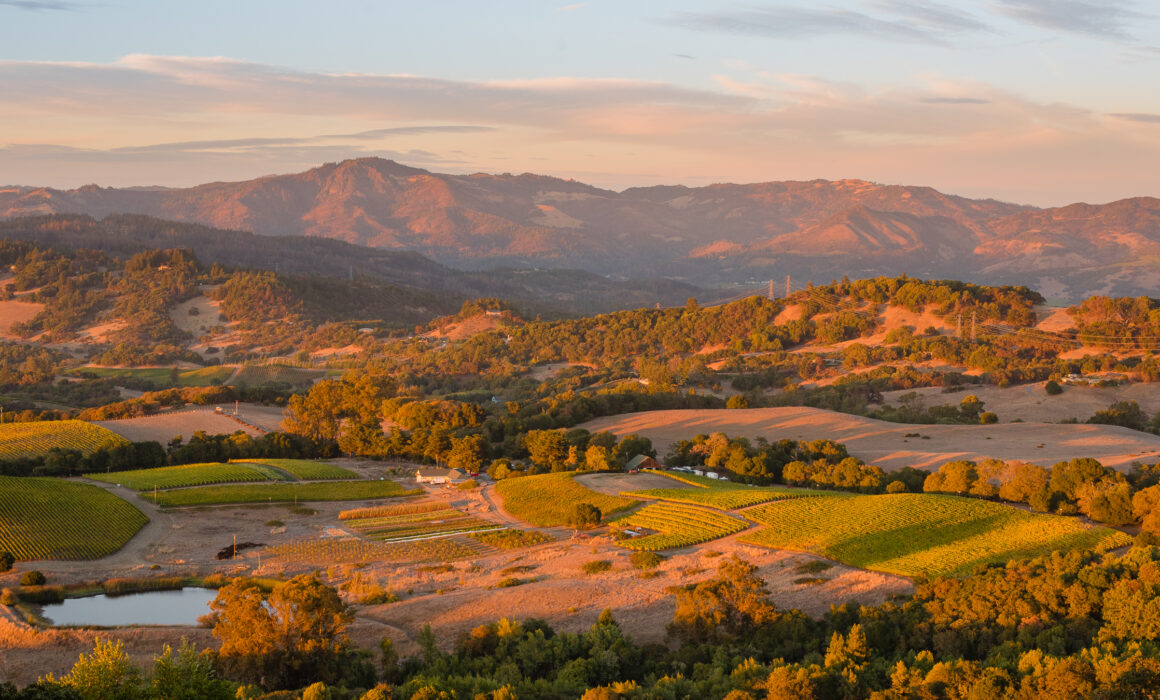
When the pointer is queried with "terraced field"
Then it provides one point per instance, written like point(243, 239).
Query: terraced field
point(58, 519)
point(185, 475)
point(305, 469)
point(36, 438)
point(677, 525)
point(912, 534)
point(547, 500)
point(280, 493)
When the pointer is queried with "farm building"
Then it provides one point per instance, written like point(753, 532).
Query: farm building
point(437, 475)
point(643, 462)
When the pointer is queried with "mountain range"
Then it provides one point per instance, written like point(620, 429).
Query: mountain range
point(718, 234)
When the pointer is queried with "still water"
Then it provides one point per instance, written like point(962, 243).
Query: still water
point(181, 607)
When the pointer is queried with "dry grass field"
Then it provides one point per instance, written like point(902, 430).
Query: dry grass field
point(164, 426)
point(887, 445)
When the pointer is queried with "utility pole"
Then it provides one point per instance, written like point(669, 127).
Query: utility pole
point(787, 286)
point(771, 290)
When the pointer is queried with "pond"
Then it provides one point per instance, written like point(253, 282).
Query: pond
point(181, 607)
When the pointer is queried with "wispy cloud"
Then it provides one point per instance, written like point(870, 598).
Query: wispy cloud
point(1140, 117)
point(896, 20)
point(572, 7)
point(40, 5)
point(1109, 19)
point(955, 101)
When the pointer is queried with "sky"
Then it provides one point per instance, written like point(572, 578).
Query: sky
point(1042, 102)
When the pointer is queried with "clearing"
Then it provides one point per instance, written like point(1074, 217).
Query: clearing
point(164, 426)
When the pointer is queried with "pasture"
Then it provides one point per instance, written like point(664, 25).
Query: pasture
point(279, 493)
point(58, 519)
point(676, 525)
point(911, 534)
point(36, 438)
point(547, 500)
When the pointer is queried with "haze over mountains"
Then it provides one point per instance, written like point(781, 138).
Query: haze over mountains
point(718, 234)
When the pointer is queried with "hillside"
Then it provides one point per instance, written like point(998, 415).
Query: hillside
point(721, 233)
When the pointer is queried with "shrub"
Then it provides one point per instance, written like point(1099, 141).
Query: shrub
point(987, 418)
point(32, 578)
point(896, 486)
point(8, 597)
point(1052, 387)
point(596, 567)
point(510, 581)
point(468, 485)
point(584, 516)
point(6, 561)
point(646, 560)
point(274, 523)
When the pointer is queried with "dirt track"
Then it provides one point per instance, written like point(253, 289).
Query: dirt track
point(887, 444)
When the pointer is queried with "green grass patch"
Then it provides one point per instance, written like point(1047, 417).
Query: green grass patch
point(676, 525)
point(35, 439)
point(548, 499)
point(280, 493)
point(184, 475)
point(597, 566)
point(912, 534)
point(58, 519)
point(305, 469)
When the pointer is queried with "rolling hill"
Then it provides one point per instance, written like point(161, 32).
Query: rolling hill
point(728, 232)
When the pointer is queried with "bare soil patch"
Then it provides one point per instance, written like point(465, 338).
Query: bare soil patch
point(13, 312)
point(614, 483)
point(185, 422)
point(887, 444)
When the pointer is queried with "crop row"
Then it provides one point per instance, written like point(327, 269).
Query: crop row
point(437, 516)
point(35, 439)
point(388, 511)
point(429, 529)
point(350, 549)
point(913, 534)
point(280, 493)
point(306, 469)
point(184, 475)
point(721, 499)
point(56, 519)
point(677, 526)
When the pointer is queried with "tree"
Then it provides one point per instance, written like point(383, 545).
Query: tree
point(105, 674)
point(6, 561)
point(726, 607)
point(466, 453)
point(584, 516)
point(187, 675)
point(295, 636)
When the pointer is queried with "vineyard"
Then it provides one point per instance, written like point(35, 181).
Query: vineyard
point(714, 493)
point(163, 376)
point(548, 499)
point(512, 539)
point(354, 550)
point(57, 519)
point(305, 469)
point(36, 438)
point(185, 475)
point(677, 526)
point(280, 493)
point(912, 534)
point(251, 375)
point(432, 523)
point(388, 511)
